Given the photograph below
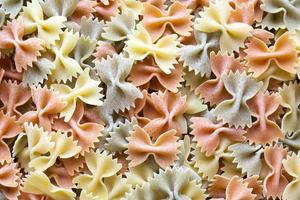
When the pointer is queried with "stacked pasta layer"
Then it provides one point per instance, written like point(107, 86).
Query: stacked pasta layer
point(149, 99)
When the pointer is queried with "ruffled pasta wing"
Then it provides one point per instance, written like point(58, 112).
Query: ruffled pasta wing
point(291, 165)
point(290, 99)
point(91, 28)
point(140, 147)
point(38, 73)
point(39, 183)
point(120, 94)
point(12, 7)
point(13, 95)
point(10, 128)
point(119, 27)
point(59, 7)
point(10, 181)
point(117, 137)
point(208, 166)
point(235, 111)
point(214, 18)
point(83, 50)
point(281, 14)
point(247, 157)
point(164, 51)
point(85, 89)
point(213, 90)
point(170, 184)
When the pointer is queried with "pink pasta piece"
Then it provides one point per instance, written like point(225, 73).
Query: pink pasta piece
point(264, 130)
point(260, 56)
point(26, 51)
point(106, 11)
point(83, 8)
point(213, 90)
point(149, 74)
point(12, 96)
point(165, 112)
point(275, 182)
point(207, 134)
point(177, 17)
point(140, 147)
point(10, 180)
point(47, 108)
point(85, 133)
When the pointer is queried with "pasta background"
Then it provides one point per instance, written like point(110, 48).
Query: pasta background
point(149, 99)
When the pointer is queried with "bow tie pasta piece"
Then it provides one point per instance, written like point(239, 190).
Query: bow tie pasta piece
point(172, 183)
point(31, 144)
point(48, 30)
point(177, 17)
point(13, 96)
point(213, 90)
point(275, 182)
point(119, 27)
point(264, 130)
point(281, 14)
point(235, 188)
point(10, 128)
point(12, 7)
point(291, 165)
point(208, 166)
point(208, 134)
point(85, 89)
point(120, 94)
point(59, 7)
point(84, 8)
point(290, 99)
point(165, 112)
point(47, 108)
point(10, 180)
point(102, 167)
point(39, 183)
point(87, 134)
point(65, 66)
point(165, 50)
point(64, 147)
point(215, 17)
point(25, 51)
point(147, 73)
point(235, 111)
point(140, 147)
point(116, 142)
point(283, 54)
point(247, 157)
point(196, 57)
point(38, 73)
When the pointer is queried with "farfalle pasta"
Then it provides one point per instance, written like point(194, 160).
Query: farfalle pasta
point(215, 18)
point(164, 51)
point(48, 30)
point(177, 17)
point(149, 99)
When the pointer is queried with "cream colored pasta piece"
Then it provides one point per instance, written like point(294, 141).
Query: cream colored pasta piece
point(215, 17)
point(47, 29)
point(164, 51)
point(85, 89)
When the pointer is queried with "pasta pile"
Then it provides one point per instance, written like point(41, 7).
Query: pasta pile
point(149, 99)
